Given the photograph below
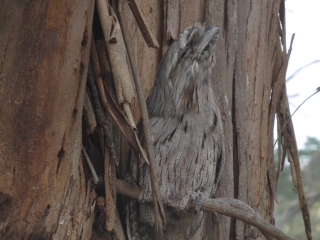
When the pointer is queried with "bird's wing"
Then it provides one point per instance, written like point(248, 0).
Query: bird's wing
point(185, 159)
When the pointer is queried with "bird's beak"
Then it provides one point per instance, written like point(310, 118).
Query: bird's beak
point(210, 34)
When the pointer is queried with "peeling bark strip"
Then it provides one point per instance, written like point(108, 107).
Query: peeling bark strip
point(279, 105)
point(160, 221)
point(292, 151)
point(112, 108)
point(117, 55)
point(44, 55)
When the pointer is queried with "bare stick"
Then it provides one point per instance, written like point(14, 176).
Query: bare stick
point(293, 156)
point(143, 24)
point(225, 206)
point(120, 73)
point(93, 172)
point(157, 201)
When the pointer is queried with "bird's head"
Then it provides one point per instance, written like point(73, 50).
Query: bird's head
point(185, 70)
point(196, 43)
point(193, 49)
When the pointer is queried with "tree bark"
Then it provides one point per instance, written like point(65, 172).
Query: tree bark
point(248, 59)
point(44, 53)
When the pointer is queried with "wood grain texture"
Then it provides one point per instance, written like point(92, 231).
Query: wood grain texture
point(44, 62)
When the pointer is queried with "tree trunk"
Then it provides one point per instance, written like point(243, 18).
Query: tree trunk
point(44, 192)
point(248, 62)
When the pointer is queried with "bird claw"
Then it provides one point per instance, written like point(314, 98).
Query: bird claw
point(198, 197)
point(193, 196)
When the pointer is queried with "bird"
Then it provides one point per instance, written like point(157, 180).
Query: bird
point(188, 139)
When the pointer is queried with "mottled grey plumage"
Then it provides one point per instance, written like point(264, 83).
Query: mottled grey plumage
point(187, 134)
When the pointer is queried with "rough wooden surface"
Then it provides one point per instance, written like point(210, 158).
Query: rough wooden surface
point(43, 64)
point(44, 54)
point(247, 58)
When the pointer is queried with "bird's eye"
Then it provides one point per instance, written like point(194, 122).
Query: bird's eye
point(183, 53)
point(207, 47)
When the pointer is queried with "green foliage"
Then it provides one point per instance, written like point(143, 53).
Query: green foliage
point(287, 214)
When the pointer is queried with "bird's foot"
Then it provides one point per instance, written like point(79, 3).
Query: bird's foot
point(198, 197)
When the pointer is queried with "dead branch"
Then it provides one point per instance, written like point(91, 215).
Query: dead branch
point(111, 106)
point(143, 24)
point(157, 201)
point(225, 206)
point(93, 172)
point(117, 55)
point(89, 114)
point(279, 84)
point(292, 151)
point(293, 157)
point(105, 68)
point(288, 143)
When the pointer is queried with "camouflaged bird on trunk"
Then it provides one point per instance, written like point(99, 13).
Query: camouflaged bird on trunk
point(187, 136)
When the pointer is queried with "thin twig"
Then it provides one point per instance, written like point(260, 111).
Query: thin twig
point(287, 132)
point(159, 210)
point(293, 156)
point(119, 70)
point(290, 118)
point(300, 69)
point(225, 206)
point(93, 172)
point(143, 24)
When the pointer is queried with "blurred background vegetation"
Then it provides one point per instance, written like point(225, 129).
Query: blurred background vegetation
point(287, 212)
point(302, 17)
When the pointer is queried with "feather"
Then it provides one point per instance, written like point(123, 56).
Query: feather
point(187, 132)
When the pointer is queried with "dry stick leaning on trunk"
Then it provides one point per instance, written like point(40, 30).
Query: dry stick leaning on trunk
point(289, 136)
point(157, 200)
point(111, 106)
point(289, 141)
point(104, 9)
point(96, 69)
point(109, 168)
point(225, 206)
point(289, 144)
point(143, 24)
point(118, 60)
point(91, 167)
point(293, 156)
